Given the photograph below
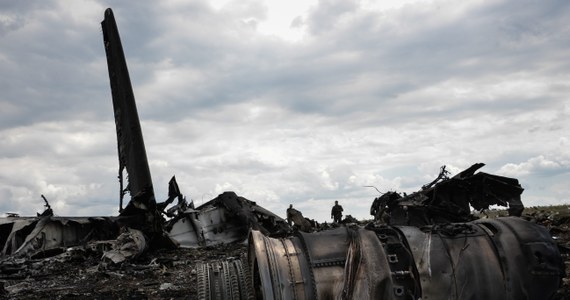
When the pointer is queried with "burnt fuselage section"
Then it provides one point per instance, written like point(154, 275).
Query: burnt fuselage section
point(447, 200)
point(506, 258)
point(227, 218)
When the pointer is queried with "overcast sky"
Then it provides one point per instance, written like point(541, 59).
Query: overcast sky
point(285, 102)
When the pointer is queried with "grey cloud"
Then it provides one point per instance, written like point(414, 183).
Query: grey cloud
point(47, 72)
point(368, 96)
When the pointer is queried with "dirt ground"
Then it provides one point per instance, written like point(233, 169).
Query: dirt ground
point(170, 274)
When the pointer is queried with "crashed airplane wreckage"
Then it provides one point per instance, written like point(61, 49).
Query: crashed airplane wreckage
point(424, 252)
point(227, 218)
point(447, 200)
point(506, 258)
point(427, 254)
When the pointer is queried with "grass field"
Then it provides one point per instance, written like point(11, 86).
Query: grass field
point(552, 210)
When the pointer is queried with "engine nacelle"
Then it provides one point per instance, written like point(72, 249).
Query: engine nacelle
point(505, 258)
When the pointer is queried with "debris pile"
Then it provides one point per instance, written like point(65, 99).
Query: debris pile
point(79, 272)
point(225, 219)
point(446, 199)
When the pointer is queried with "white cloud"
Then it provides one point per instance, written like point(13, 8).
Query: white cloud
point(539, 165)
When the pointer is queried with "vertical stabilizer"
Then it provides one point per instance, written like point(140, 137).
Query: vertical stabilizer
point(132, 153)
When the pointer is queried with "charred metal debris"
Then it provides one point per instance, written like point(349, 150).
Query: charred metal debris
point(446, 199)
point(426, 245)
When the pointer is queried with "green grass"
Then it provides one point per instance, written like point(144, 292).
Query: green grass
point(555, 210)
point(552, 208)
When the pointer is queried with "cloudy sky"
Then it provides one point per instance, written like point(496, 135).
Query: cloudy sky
point(285, 102)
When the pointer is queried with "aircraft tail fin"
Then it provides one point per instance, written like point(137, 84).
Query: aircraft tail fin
point(131, 149)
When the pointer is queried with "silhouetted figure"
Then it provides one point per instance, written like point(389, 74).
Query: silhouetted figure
point(290, 213)
point(296, 217)
point(336, 212)
point(377, 208)
point(383, 206)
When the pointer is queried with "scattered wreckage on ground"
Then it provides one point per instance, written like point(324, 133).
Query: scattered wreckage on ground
point(430, 248)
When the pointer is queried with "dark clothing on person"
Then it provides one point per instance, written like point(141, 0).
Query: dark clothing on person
point(290, 212)
point(336, 213)
point(296, 217)
point(377, 208)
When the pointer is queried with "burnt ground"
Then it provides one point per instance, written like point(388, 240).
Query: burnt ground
point(80, 274)
point(166, 274)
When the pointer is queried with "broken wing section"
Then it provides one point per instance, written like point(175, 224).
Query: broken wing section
point(132, 153)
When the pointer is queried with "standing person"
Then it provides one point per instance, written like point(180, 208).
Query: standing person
point(290, 212)
point(336, 213)
point(377, 208)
